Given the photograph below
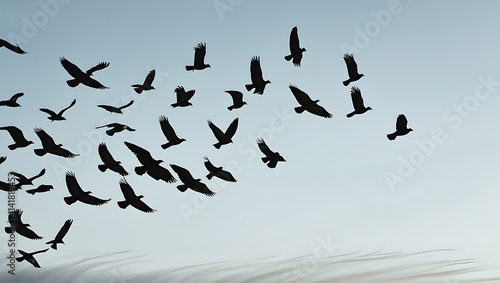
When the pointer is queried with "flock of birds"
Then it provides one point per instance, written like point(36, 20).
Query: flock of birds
point(150, 165)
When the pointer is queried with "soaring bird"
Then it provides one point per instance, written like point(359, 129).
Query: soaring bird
point(401, 128)
point(217, 172)
point(57, 117)
point(190, 182)
point(113, 109)
point(352, 69)
point(256, 75)
point(307, 104)
point(80, 77)
point(357, 102)
point(147, 83)
point(17, 225)
point(2, 159)
point(115, 128)
point(12, 102)
point(40, 189)
point(295, 50)
point(109, 162)
point(23, 180)
point(237, 99)
point(11, 47)
point(49, 146)
point(169, 133)
point(17, 136)
point(223, 137)
point(132, 199)
point(60, 235)
point(183, 97)
point(150, 165)
point(29, 257)
point(199, 57)
point(271, 157)
point(77, 194)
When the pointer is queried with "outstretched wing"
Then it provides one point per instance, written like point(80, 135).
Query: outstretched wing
point(64, 229)
point(199, 54)
point(47, 141)
point(357, 99)
point(14, 132)
point(149, 78)
point(71, 105)
point(48, 111)
point(97, 67)
point(105, 155)
point(202, 188)
point(183, 173)
point(167, 129)
point(237, 96)
point(92, 200)
point(210, 167)
point(72, 184)
point(294, 41)
point(352, 67)
point(126, 105)
point(255, 70)
point(264, 148)
point(401, 122)
point(11, 47)
point(302, 97)
point(219, 135)
point(15, 217)
point(231, 130)
point(142, 155)
point(2, 159)
point(71, 68)
point(16, 96)
point(129, 195)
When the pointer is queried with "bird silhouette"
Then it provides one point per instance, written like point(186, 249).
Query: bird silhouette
point(357, 103)
point(150, 165)
point(190, 182)
point(81, 77)
point(17, 136)
point(271, 157)
point(49, 146)
point(12, 102)
point(169, 133)
point(223, 137)
point(307, 104)
point(9, 187)
point(60, 235)
point(183, 97)
point(29, 257)
point(40, 189)
point(199, 58)
point(295, 50)
point(258, 82)
point(11, 47)
point(237, 99)
point(109, 162)
point(77, 194)
point(147, 83)
point(352, 69)
point(115, 128)
point(23, 180)
point(132, 199)
point(217, 172)
point(17, 225)
point(2, 159)
point(401, 128)
point(113, 109)
point(57, 117)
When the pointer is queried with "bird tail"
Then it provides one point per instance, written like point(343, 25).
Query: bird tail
point(272, 164)
point(249, 87)
point(31, 192)
point(10, 230)
point(12, 146)
point(73, 83)
point(299, 109)
point(138, 90)
point(217, 145)
point(54, 244)
point(346, 82)
point(140, 170)
point(265, 159)
point(189, 68)
point(391, 136)
point(230, 108)
point(350, 115)
point(102, 167)
point(289, 57)
point(40, 152)
point(123, 204)
point(182, 188)
point(70, 200)
point(210, 175)
point(110, 132)
point(165, 145)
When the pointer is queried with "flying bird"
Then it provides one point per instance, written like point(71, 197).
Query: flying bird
point(23, 180)
point(169, 133)
point(40, 189)
point(190, 182)
point(237, 99)
point(60, 235)
point(258, 82)
point(17, 136)
point(113, 109)
point(357, 102)
point(183, 97)
point(401, 128)
point(217, 172)
point(295, 50)
point(109, 162)
point(307, 104)
point(77, 194)
point(2, 159)
point(57, 117)
point(11, 47)
point(223, 137)
point(80, 77)
point(12, 102)
point(199, 57)
point(17, 225)
point(9, 187)
point(132, 199)
point(271, 157)
point(29, 257)
point(49, 146)
point(150, 165)
point(147, 83)
point(352, 69)
point(115, 128)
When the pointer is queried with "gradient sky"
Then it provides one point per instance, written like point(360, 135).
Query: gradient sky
point(429, 60)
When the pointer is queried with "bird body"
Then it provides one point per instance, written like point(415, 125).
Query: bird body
point(169, 133)
point(29, 257)
point(80, 77)
point(132, 199)
point(77, 194)
point(17, 225)
point(109, 161)
point(217, 172)
point(40, 189)
point(150, 165)
point(357, 103)
point(223, 137)
point(189, 182)
point(49, 146)
point(113, 109)
point(60, 235)
point(17, 136)
point(271, 158)
point(115, 128)
point(199, 58)
point(258, 82)
point(183, 97)
point(57, 117)
point(307, 104)
point(237, 99)
point(295, 50)
point(11, 47)
point(352, 69)
point(12, 102)
point(139, 88)
point(401, 128)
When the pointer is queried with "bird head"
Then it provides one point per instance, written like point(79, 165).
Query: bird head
point(152, 87)
point(207, 66)
point(140, 196)
point(183, 139)
point(88, 192)
point(303, 50)
point(368, 108)
point(268, 82)
point(361, 75)
point(190, 104)
point(410, 129)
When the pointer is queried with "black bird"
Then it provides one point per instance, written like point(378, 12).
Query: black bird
point(150, 165)
point(357, 102)
point(132, 199)
point(183, 97)
point(11, 47)
point(295, 50)
point(113, 109)
point(147, 83)
point(271, 157)
point(237, 99)
point(23, 180)
point(17, 136)
point(217, 172)
point(49, 146)
point(57, 117)
point(80, 77)
point(169, 133)
point(352, 69)
point(115, 128)
point(401, 128)
point(190, 182)
point(109, 162)
point(17, 225)
point(12, 102)
point(2, 159)
point(29, 257)
point(223, 138)
point(60, 235)
point(40, 189)
point(77, 194)
point(9, 187)
point(199, 57)
point(308, 104)
point(256, 75)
